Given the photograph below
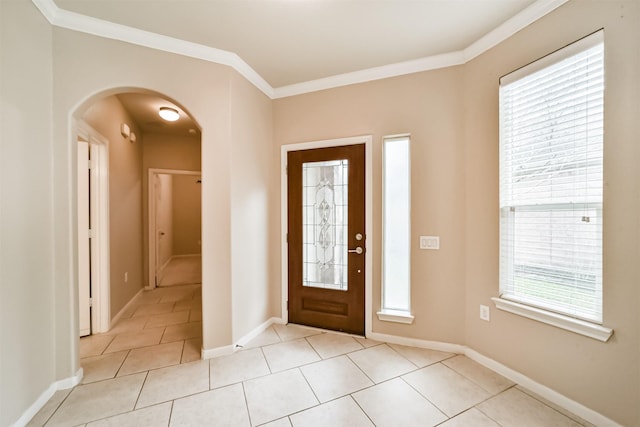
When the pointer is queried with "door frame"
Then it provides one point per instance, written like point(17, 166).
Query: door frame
point(367, 140)
point(99, 201)
point(151, 196)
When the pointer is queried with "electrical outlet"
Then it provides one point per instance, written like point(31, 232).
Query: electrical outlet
point(126, 277)
point(485, 313)
point(430, 242)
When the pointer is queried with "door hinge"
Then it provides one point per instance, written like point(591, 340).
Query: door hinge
point(89, 164)
point(90, 233)
point(90, 302)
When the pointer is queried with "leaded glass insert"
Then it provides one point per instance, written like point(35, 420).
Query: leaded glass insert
point(324, 224)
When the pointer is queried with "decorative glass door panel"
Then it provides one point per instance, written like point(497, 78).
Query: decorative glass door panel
point(325, 220)
point(326, 238)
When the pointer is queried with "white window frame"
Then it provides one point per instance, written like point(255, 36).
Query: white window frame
point(395, 314)
point(515, 304)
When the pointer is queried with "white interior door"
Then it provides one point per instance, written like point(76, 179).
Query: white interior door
point(84, 254)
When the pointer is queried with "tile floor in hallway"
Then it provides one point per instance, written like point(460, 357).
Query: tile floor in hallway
point(147, 372)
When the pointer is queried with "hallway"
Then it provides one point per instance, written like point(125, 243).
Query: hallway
point(147, 372)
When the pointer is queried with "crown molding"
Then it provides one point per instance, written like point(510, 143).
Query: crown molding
point(101, 28)
point(370, 74)
point(98, 27)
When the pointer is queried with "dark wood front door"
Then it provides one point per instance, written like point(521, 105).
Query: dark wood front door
point(326, 237)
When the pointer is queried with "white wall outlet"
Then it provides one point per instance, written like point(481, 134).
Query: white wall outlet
point(430, 242)
point(485, 314)
point(126, 276)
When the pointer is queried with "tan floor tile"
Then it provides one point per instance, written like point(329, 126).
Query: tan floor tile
point(335, 377)
point(49, 408)
point(484, 377)
point(448, 390)
point(135, 340)
point(221, 407)
point(153, 309)
point(366, 342)
point(513, 408)
point(381, 363)
point(167, 319)
point(395, 403)
point(98, 400)
point(183, 331)
point(552, 405)
point(187, 304)
point(472, 417)
point(421, 357)
point(267, 337)
point(125, 326)
point(293, 332)
point(282, 422)
point(195, 315)
point(237, 367)
point(174, 382)
point(277, 395)
point(97, 368)
point(341, 412)
point(157, 415)
point(153, 357)
point(192, 350)
point(94, 345)
point(331, 345)
point(288, 355)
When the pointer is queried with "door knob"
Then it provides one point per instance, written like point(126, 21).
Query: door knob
point(358, 250)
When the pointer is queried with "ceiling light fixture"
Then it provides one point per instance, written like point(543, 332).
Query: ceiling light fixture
point(169, 114)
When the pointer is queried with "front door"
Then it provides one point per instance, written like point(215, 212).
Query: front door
point(326, 237)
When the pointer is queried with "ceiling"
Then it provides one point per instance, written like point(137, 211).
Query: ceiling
point(144, 109)
point(293, 41)
point(286, 47)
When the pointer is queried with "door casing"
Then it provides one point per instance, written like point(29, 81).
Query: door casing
point(367, 140)
point(99, 146)
point(151, 196)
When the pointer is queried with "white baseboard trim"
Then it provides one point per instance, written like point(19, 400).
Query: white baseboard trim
point(124, 309)
point(543, 391)
point(257, 331)
point(46, 395)
point(229, 349)
point(414, 342)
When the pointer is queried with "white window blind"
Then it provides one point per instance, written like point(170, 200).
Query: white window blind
point(551, 157)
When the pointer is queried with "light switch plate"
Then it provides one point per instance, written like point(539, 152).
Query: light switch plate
point(430, 242)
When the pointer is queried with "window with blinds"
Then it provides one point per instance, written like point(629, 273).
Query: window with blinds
point(551, 157)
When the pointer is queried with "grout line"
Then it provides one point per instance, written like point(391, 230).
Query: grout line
point(146, 377)
point(310, 387)
point(246, 402)
point(361, 408)
point(170, 413)
point(426, 398)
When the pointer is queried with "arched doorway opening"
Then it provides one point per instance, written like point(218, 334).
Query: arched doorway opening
point(122, 127)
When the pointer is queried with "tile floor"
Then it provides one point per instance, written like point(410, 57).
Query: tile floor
point(147, 372)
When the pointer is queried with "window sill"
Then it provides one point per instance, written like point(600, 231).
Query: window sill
point(577, 326)
point(395, 316)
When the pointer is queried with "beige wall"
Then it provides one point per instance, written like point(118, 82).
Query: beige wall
point(428, 106)
point(198, 87)
point(165, 151)
point(27, 299)
point(125, 199)
point(187, 223)
point(604, 377)
point(452, 117)
point(253, 203)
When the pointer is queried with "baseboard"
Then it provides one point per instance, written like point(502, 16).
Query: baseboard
point(414, 342)
point(210, 353)
point(184, 256)
point(117, 317)
point(46, 395)
point(257, 331)
point(543, 391)
point(229, 349)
